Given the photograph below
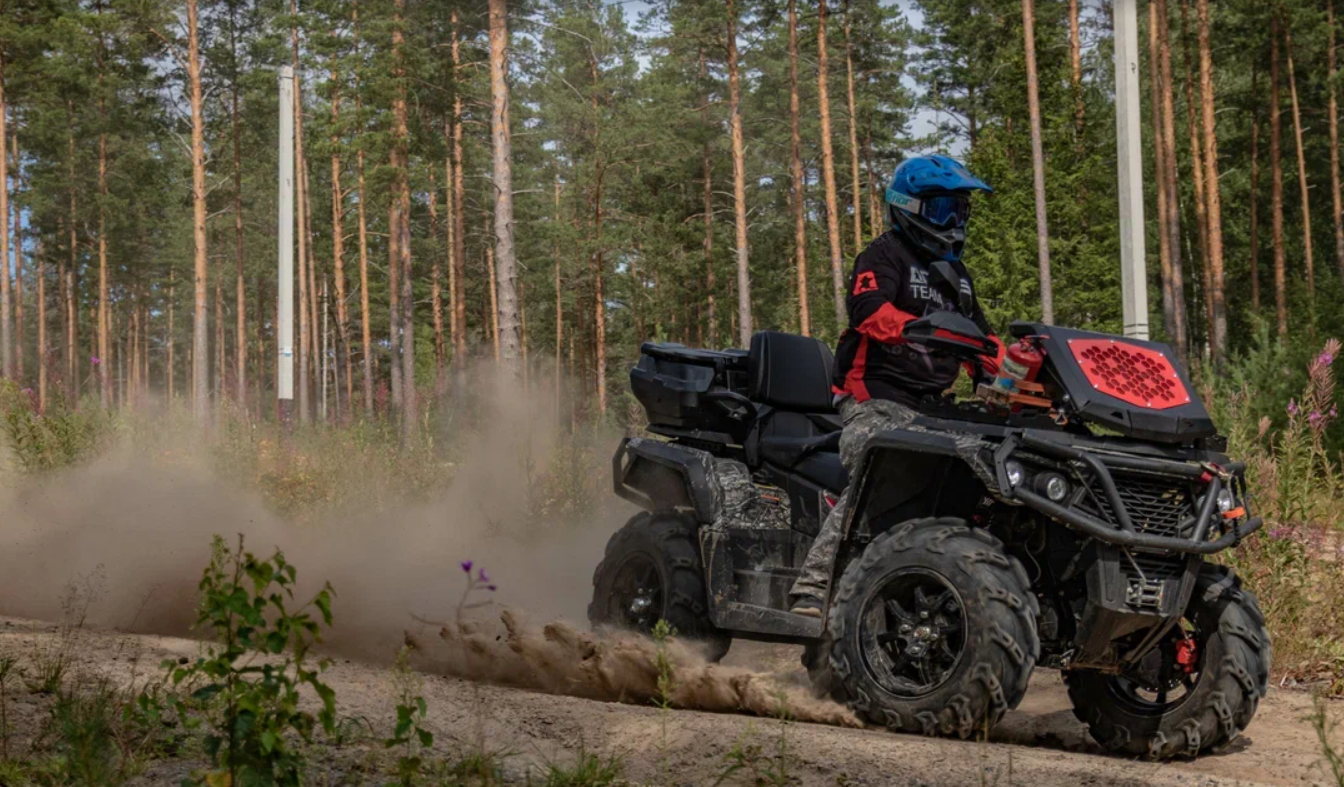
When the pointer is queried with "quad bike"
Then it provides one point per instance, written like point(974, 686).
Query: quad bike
point(1062, 521)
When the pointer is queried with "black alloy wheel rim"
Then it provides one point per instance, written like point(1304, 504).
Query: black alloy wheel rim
point(636, 599)
point(913, 632)
point(1157, 684)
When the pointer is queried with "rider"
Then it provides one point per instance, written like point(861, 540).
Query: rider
point(879, 377)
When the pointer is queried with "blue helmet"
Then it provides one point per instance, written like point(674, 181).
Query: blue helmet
point(929, 200)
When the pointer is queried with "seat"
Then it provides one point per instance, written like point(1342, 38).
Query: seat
point(790, 372)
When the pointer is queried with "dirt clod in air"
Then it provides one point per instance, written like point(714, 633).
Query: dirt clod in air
point(609, 666)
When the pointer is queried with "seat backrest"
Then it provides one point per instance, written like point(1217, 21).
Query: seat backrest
point(790, 372)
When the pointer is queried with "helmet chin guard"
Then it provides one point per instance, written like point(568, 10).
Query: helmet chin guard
point(944, 243)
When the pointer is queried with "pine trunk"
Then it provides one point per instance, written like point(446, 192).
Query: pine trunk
point(394, 295)
point(1254, 254)
point(1169, 178)
point(301, 188)
point(436, 286)
point(337, 251)
point(1076, 71)
point(559, 304)
point(796, 175)
point(502, 147)
point(366, 329)
point(828, 170)
point(1037, 162)
point(1302, 183)
point(41, 326)
point(599, 301)
point(6, 317)
point(171, 372)
point(240, 254)
point(1159, 168)
point(1276, 182)
point(707, 194)
point(1334, 139)
point(459, 210)
point(853, 133)
point(739, 181)
point(1197, 173)
point(402, 229)
point(1215, 209)
point(18, 264)
point(200, 405)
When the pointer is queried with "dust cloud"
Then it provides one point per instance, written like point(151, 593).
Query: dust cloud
point(144, 526)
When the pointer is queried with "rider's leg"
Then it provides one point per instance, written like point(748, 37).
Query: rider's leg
point(862, 421)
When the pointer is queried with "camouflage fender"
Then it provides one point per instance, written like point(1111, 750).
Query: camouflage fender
point(661, 476)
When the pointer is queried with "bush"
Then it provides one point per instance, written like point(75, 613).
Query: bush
point(251, 704)
point(59, 436)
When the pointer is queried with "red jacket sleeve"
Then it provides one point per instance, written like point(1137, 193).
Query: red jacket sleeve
point(873, 289)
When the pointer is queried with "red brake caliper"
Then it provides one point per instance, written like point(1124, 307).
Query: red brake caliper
point(1186, 655)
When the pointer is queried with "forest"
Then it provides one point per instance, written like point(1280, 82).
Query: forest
point(551, 183)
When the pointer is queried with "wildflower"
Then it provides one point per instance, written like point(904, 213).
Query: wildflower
point(1292, 407)
point(95, 360)
point(1315, 418)
point(466, 566)
point(1333, 411)
point(1325, 358)
point(490, 588)
point(28, 391)
point(481, 577)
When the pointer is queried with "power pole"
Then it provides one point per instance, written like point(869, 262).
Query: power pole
point(1129, 162)
point(284, 328)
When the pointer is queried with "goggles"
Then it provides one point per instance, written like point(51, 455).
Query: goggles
point(949, 210)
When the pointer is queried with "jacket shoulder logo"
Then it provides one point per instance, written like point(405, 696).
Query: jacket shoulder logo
point(866, 281)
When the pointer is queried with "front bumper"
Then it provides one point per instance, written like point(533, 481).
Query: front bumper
point(1092, 470)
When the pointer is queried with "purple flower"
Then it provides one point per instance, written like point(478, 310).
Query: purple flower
point(1292, 407)
point(466, 566)
point(481, 577)
point(1333, 411)
point(1314, 418)
point(1325, 358)
point(95, 360)
point(490, 588)
point(28, 391)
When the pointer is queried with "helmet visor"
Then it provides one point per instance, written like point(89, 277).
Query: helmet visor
point(946, 211)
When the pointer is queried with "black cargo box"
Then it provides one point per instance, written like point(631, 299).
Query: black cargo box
point(690, 392)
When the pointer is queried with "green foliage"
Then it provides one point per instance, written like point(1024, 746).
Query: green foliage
point(249, 678)
point(587, 770)
point(409, 734)
point(58, 437)
point(1325, 727)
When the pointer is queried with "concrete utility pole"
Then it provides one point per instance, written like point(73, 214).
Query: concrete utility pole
point(1129, 163)
point(284, 329)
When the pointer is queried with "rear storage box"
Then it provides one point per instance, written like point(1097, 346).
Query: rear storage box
point(693, 393)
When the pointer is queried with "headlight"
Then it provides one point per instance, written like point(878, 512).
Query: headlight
point(1015, 473)
point(1226, 500)
point(1054, 486)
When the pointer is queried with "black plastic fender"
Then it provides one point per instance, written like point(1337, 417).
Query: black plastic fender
point(661, 476)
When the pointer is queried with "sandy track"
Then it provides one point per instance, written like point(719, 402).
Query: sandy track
point(1044, 744)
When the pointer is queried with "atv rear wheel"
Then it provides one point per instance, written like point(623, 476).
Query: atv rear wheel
point(652, 571)
point(1196, 691)
point(933, 630)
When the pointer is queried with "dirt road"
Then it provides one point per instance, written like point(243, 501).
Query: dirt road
point(1039, 745)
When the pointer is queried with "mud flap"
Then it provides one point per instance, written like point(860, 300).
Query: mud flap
point(659, 476)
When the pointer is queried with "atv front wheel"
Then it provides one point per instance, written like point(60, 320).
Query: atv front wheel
point(1196, 691)
point(652, 571)
point(933, 630)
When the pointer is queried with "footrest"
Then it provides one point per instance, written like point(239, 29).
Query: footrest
point(764, 620)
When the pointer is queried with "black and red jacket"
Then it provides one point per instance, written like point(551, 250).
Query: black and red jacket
point(888, 288)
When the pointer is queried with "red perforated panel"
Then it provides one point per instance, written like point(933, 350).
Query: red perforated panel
point(1133, 374)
